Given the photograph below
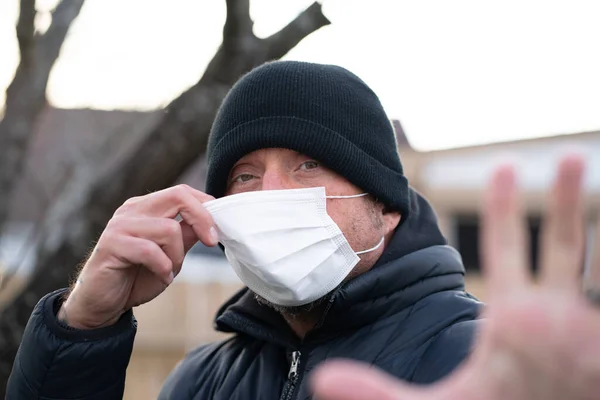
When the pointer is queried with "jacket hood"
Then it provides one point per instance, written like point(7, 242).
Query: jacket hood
point(415, 264)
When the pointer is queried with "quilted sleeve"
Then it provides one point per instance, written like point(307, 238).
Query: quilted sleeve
point(58, 362)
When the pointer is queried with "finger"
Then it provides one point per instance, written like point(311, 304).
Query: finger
point(136, 251)
point(198, 218)
point(165, 232)
point(177, 200)
point(165, 202)
point(347, 380)
point(503, 236)
point(562, 238)
point(592, 275)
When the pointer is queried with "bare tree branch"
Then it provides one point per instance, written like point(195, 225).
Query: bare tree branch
point(287, 38)
point(26, 95)
point(63, 16)
point(25, 28)
point(238, 24)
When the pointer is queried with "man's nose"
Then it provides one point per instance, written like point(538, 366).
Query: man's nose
point(275, 180)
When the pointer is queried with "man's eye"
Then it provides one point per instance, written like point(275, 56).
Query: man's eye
point(311, 164)
point(243, 178)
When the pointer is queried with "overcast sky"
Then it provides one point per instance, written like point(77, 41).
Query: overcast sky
point(455, 73)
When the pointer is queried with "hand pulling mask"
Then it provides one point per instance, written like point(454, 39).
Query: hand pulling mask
point(283, 245)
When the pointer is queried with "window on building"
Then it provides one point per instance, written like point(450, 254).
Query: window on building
point(467, 238)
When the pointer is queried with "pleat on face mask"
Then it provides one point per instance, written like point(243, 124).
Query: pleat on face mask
point(282, 243)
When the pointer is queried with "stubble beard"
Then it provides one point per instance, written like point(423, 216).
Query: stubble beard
point(295, 312)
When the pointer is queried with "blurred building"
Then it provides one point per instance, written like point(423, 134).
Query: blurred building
point(454, 182)
point(182, 318)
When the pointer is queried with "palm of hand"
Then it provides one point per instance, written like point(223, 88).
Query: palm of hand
point(538, 340)
point(536, 345)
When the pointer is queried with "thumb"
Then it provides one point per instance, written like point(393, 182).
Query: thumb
point(349, 380)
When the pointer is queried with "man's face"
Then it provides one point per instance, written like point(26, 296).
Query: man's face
point(362, 220)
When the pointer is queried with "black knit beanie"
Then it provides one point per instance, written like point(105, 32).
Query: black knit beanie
point(323, 111)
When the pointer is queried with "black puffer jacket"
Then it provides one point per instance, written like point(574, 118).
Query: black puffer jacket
point(409, 316)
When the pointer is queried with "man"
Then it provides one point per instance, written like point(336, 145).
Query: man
point(340, 257)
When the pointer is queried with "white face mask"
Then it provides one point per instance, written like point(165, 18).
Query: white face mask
point(282, 243)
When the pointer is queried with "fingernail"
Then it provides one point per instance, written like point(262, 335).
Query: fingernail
point(170, 278)
point(213, 234)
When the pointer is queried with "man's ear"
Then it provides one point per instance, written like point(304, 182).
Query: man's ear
point(391, 219)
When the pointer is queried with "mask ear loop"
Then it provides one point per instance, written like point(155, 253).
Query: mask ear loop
point(351, 196)
point(371, 249)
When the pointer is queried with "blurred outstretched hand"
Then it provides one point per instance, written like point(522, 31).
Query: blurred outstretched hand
point(538, 341)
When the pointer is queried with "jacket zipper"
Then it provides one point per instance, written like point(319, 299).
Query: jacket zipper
point(325, 312)
point(292, 381)
point(293, 375)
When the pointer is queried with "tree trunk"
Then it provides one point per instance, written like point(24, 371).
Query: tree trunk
point(90, 199)
point(26, 95)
